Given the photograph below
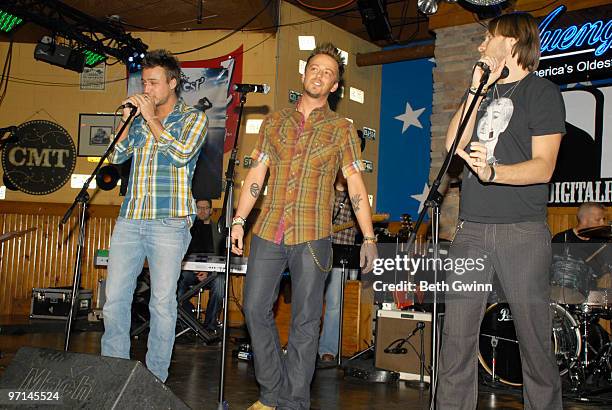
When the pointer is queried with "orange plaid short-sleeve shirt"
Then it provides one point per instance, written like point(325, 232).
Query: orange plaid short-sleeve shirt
point(303, 157)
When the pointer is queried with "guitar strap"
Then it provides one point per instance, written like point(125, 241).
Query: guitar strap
point(340, 206)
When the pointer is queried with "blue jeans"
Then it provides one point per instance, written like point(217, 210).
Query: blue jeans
point(215, 299)
point(163, 242)
point(328, 342)
point(284, 380)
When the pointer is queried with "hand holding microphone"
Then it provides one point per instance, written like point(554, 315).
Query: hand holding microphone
point(143, 105)
point(489, 68)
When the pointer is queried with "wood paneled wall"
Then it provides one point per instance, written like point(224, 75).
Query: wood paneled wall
point(46, 256)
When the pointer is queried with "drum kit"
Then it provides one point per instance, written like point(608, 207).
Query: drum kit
point(582, 347)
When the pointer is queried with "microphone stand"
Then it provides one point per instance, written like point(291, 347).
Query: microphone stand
point(82, 200)
point(420, 384)
point(433, 202)
point(343, 262)
point(228, 209)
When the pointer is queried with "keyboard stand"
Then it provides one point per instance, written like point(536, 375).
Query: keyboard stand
point(186, 317)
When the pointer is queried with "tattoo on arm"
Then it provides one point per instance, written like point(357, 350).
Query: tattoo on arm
point(255, 189)
point(355, 200)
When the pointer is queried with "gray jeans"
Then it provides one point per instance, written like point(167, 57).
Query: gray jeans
point(520, 255)
point(285, 379)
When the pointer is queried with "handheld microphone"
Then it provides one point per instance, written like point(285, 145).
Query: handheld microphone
point(252, 88)
point(485, 67)
point(128, 105)
point(505, 73)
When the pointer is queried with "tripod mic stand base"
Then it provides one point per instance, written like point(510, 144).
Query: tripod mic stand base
point(417, 384)
point(364, 369)
point(371, 375)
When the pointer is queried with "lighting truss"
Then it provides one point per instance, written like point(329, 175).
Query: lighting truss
point(101, 38)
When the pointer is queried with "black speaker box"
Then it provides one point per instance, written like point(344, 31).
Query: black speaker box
point(84, 381)
point(375, 18)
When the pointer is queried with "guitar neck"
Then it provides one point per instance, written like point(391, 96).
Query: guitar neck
point(350, 224)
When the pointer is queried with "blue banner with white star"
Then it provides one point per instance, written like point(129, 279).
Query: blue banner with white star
point(405, 137)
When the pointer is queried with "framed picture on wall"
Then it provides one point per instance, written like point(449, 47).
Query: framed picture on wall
point(95, 133)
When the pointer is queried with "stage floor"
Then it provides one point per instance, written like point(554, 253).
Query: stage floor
point(194, 374)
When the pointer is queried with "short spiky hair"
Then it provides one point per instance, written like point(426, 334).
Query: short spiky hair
point(330, 50)
point(165, 60)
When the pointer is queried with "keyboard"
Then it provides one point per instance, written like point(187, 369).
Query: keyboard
point(238, 265)
point(198, 263)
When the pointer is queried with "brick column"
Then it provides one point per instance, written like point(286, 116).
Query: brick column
point(455, 53)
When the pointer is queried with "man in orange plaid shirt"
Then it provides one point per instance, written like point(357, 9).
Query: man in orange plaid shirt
point(303, 148)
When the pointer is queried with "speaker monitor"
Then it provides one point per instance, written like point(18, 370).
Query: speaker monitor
point(375, 18)
point(392, 325)
point(85, 381)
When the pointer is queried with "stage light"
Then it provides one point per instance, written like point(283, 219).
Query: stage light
point(8, 21)
point(92, 58)
point(427, 6)
point(60, 55)
point(134, 61)
point(107, 177)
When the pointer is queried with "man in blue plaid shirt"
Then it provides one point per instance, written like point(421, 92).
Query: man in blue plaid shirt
point(163, 141)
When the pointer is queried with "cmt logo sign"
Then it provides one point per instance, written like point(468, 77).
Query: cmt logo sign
point(40, 159)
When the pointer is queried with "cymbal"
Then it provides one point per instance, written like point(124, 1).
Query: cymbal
point(603, 231)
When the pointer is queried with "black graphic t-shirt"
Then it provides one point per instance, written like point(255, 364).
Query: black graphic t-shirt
point(506, 121)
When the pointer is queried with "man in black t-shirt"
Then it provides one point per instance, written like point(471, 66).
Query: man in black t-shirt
point(510, 148)
point(205, 238)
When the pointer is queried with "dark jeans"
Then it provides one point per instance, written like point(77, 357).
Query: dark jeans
point(520, 255)
point(285, 379)
point(215, 299)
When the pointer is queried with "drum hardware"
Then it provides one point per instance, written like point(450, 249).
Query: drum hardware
point(582, 349)
point(494, 342)
point(599, 232)
point(566, 338)
point(570, 281)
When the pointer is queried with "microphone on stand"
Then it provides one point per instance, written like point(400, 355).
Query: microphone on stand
point(252, 88)
point(128, 105)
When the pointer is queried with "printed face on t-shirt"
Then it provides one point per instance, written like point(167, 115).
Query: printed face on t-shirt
point(495, 121)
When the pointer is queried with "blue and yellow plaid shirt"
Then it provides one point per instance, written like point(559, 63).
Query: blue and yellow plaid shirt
point(162, 171)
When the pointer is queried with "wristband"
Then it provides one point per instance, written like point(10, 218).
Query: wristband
point(238, 220)
point(492, 176)
point(372, 239)
point(474, 89)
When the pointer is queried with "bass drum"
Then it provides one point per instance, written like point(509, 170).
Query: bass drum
point(497, 327)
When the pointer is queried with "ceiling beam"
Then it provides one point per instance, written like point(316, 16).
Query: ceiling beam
point(395, 55)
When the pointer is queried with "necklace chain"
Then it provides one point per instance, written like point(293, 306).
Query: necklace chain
point(509, 90)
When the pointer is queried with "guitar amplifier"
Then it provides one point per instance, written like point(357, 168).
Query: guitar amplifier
point(391, 327)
